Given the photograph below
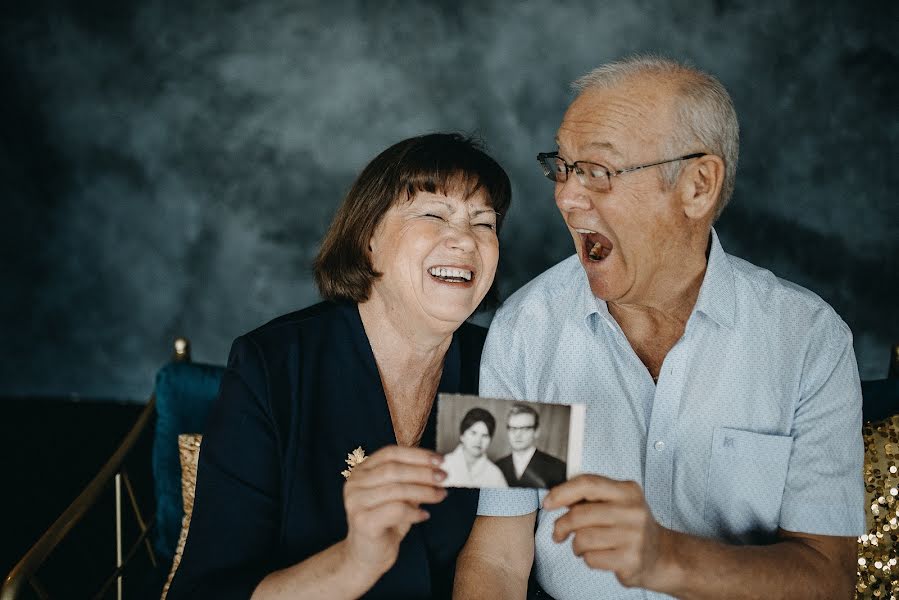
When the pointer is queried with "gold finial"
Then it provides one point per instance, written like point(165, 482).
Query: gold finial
point(182, 350)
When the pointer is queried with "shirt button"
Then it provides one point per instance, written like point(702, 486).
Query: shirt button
point(659, 445)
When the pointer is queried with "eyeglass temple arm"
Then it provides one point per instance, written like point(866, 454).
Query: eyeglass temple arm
point(661, 162)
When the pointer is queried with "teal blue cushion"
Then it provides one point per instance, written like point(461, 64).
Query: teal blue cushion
point(184, 394)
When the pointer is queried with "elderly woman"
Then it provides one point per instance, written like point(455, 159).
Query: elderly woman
point(468, 465)
point(410, 255)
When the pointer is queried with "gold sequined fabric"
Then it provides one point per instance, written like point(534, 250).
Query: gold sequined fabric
point(878, 572)
point(189, 453)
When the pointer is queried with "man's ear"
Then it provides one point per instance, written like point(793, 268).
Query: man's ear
point(701, 186)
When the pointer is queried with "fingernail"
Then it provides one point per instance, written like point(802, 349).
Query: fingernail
point(439, 475)
point(437, 460)
point(425, 515)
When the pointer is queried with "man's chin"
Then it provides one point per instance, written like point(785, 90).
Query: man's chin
point(601, 288)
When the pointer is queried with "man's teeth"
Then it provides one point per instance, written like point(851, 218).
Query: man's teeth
point(596, 251)
point(585, 231)
point(450, 273)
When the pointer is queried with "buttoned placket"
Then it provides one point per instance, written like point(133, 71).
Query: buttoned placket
point(661, 440)
point(662, 407)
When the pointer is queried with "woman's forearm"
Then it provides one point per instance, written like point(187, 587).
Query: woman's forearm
point(326, 575)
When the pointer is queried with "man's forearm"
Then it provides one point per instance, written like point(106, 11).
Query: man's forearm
point(482, 577)
point(696, 568)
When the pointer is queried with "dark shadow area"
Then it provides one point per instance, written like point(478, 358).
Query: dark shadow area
point(51, 449)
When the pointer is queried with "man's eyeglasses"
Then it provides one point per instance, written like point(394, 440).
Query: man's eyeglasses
point(592, 176)
point(517, 429)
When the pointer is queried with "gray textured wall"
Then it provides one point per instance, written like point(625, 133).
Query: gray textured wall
point(168, 168)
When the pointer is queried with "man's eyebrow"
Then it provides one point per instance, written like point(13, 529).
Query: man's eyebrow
point(607, 146)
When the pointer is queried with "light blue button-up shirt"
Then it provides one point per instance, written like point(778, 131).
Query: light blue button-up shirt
point(755, 423)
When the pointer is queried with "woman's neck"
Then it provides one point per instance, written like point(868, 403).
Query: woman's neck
point(399, 352)
point(397, 345)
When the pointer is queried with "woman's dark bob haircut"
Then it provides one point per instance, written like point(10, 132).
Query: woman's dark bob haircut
point(476, 415)
point(438, 163)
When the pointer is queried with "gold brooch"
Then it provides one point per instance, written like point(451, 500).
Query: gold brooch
point(354, 460)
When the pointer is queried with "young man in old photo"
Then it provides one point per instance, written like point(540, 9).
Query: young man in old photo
point(722, 449)
point(527, 466)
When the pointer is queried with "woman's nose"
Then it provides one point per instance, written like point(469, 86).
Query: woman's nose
point(461, 236)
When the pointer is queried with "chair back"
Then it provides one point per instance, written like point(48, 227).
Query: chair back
point(184, 393)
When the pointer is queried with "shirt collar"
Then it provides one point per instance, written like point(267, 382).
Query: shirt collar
point(591, 307)
point(716, 295)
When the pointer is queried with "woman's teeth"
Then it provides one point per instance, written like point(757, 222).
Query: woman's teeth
point(450, 274)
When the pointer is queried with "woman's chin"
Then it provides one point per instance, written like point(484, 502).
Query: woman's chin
point(450, 315)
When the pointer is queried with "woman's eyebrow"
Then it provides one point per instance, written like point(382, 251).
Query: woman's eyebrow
point(483, 211)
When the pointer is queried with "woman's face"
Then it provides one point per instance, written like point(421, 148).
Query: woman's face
point(438, 256)
point(475, 440)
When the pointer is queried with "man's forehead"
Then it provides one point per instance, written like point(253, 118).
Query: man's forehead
point(594, 145)
point(609, 119)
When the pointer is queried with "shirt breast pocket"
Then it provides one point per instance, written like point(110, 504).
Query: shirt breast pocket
point(747, 474)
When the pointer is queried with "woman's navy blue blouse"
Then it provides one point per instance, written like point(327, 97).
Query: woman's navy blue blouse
point(299, 394)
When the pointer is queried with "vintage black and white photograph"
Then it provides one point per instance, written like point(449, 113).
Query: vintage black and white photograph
point(498, 443)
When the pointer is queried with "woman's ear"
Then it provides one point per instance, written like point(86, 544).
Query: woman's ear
point(701, 187)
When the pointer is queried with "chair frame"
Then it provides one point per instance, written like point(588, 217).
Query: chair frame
point(113, 472)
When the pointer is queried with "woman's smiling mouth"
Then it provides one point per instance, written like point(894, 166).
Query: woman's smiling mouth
point(451, 274)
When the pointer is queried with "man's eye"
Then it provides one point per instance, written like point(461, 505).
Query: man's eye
point(433, 216)
point(490, 226)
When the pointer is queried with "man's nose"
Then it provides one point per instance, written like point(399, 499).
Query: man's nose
point(571, 195)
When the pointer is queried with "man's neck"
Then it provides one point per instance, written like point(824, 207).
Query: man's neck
point(655, 322)
point(671, 295)
point(526, 453)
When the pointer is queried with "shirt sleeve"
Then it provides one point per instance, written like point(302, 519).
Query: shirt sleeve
point(235, 522)
point(502, 377)
point(824, 492)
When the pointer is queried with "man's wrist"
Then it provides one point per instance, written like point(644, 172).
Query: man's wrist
point(669, 571)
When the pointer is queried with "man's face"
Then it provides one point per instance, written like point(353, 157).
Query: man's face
point(642, 232)
point(522, 432)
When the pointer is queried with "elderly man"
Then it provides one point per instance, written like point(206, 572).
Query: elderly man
point(723, 443)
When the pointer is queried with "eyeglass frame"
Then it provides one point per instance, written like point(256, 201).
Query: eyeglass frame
point(512, 429)
point(581, 173)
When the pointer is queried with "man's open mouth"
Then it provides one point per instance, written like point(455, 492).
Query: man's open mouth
point(596, 246)
point(451, 274)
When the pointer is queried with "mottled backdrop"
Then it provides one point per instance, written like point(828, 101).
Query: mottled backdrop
point(169, 167)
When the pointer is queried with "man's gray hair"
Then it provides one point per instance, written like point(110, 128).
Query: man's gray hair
point(705, 113)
